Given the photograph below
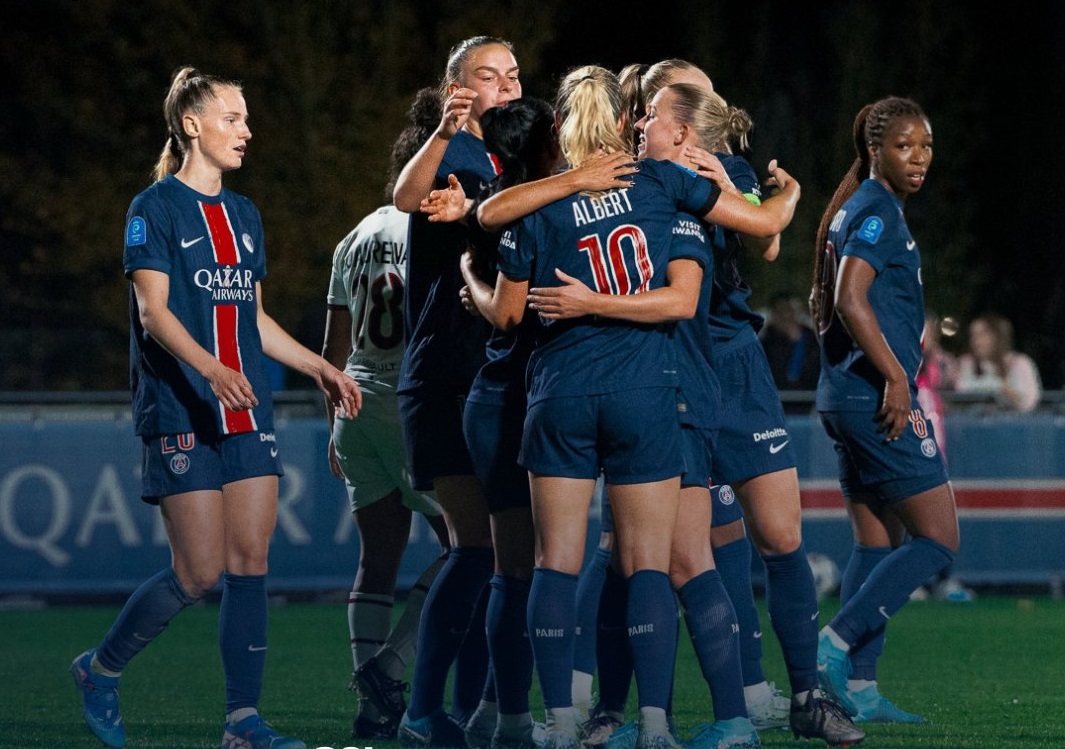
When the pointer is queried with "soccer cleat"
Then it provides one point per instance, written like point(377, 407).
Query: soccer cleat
point(818, 717)
point(654, 740)
point(873, 707)
point(734, 733)
point(99, 696)
point(385, 693)
point(557, 739)
point(770, 710)
point(481, 726)
point(833, 668)
point(255, 733)
point(953, 591)
point(623, 737)
point(367, 728)
point(597, 730)
point(437, 729)
point(530, 736)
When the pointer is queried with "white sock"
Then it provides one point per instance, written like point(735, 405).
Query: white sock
point(240, 714)
point(97, 668)
point(369, 622)
point(562, 719)
point(582, 688)
point(403, 638)
point(757, 692)
point(653, 720)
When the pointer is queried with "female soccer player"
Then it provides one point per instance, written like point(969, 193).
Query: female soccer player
point(868, 302)
point(445, 348)
point(759, 472)
point(595, 384)
point(364, 335)
point(195, 256)
point(766, 481)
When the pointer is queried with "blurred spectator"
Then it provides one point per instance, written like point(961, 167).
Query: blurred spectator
point(993, 368)
point(791, 347)
point(938, 374)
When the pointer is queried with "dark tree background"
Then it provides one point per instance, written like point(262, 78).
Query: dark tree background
point(328, 83)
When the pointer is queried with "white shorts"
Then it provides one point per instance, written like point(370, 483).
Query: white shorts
point(371, 452)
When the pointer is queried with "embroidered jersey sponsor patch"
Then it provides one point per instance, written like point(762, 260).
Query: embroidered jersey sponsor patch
point(136, 231)
point(871, 229)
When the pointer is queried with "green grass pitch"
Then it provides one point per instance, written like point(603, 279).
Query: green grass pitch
point(987, 675)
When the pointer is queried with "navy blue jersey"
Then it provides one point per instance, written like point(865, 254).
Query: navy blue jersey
point(700, 391)
point(731, 314)
point(445, 343)
point(211, 247)
point(871, 226)
point(616, 242)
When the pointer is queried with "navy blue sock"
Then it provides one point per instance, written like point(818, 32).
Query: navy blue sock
point(446, 615)
point(552, 617)
point(508, 642)
point(145, 616)
point(733, 562)
point(714, 634)
point(652, 622)
point(473, 665)
point(589, 589)
point(888, 587)
point(866, 652)
point(242, 638)
point(791, 598)
point(613, 653)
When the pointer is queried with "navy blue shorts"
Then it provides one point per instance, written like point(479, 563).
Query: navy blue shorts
point(753, 437)
point(432, 434)
point(493, 435)
point(725, 507)
point(890, 471)
point(179, 463)
point(632, 436)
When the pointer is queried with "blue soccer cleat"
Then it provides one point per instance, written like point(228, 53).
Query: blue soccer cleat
point(651, 740)
point(873, 707)
point(623, 737)
point(438, 729)
point(833, 669)
point(255, 733)
point(734, 733)
point(99, 696)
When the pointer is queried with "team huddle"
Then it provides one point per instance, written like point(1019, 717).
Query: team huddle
point(561, 312)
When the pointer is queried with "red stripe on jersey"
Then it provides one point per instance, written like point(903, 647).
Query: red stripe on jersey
point(221, 231)
point(497, 165)
point(227, 349)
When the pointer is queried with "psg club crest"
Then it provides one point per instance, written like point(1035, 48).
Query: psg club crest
point(179, 463)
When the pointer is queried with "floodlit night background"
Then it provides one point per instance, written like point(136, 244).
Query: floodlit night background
point(328, 83)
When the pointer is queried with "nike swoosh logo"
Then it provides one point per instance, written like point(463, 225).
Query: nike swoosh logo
point(273, 452)
point(256, 649)
point(884, 613)
point(774, 449)
point(187, 243)
point(137, 636)
point(910, 245)
point(757, 635)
